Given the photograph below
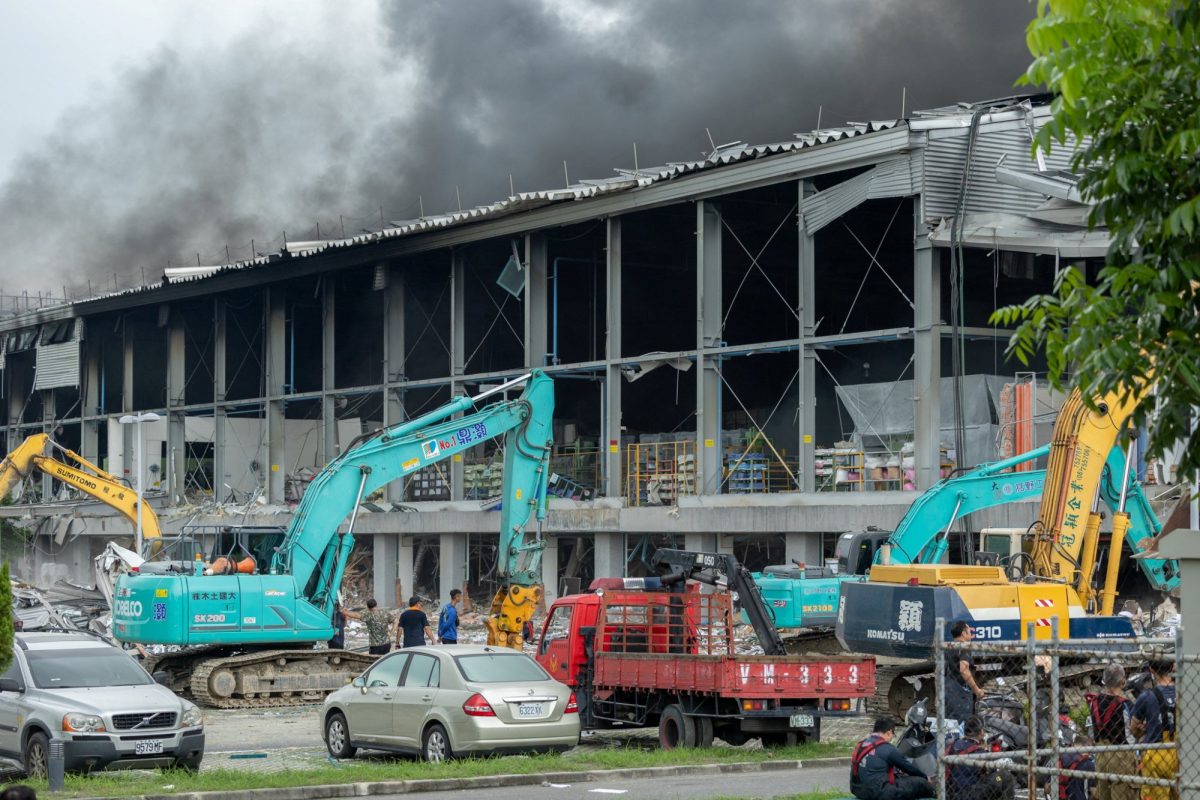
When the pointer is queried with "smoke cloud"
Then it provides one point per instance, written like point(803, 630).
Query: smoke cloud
point(194, 151)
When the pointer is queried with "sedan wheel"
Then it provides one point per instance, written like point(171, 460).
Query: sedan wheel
point(436, 747)
point(37, 755)
point(337, 737)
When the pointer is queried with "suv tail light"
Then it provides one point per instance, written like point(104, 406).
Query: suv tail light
point(478, 706)
point(572, 705)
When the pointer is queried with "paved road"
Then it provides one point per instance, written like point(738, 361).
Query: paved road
point(749, 784)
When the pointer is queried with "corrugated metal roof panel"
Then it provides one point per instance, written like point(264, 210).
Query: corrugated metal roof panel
point(57, 365)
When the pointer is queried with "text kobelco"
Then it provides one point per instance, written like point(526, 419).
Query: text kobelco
point(127, 608)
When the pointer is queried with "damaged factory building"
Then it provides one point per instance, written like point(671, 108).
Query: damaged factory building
point(752, 353)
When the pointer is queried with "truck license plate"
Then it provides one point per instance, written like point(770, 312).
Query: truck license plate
point(801, 721)
point(529, 710)
point(149, 747)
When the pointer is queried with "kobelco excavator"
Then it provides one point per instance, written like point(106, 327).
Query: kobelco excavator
point(249, 637)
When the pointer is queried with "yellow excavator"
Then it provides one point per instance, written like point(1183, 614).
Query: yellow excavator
point(32, 454)
point(893, 612)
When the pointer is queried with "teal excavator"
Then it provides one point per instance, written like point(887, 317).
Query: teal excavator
point(807, 596)
point(246, 630)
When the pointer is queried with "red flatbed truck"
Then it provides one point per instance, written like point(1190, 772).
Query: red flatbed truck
point(659, 652)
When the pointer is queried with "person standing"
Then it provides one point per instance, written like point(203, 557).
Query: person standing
point(414, 624)
point(961, 687)
point(379, 627)
point(1108, 716)
point(1152, 720)
point(448, 619)
point(874, 768)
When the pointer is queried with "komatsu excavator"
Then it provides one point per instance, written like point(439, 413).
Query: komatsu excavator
point(248, 638)
point(32, 454)
point(893, 612)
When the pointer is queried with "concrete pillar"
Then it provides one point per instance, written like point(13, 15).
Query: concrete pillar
point(536, 299)
point(329, 440)
point(452, 560)
point(614, 485)
point(89, 430)
point(550, 569)
point(384, 563)
point(18, 392)
point(176, 400)
point(1184, 544)
point(807, 310)
point(393, 372)
point(275, 342)
point(803, 546)
point(701, 542)
point(609, 554)
point(220, 461)
point(458, 356)
point(927, 352)
point(404, 583)
point(708, 334)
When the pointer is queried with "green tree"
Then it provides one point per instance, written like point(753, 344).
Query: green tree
point(6, 618)
point(1126, 74)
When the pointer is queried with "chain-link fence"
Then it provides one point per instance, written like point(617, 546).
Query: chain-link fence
point(1064, 719)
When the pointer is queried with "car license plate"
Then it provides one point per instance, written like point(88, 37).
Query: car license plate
point(801, 721)
point(149, 747)
point(529, 710)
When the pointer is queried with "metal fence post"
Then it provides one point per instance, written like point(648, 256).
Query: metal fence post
point(1031, 713)
point(939, 689)
point(1054, 707)
point(55, 765)
point(1179, 716)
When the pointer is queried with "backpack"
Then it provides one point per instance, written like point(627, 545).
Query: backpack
point(1166, 715)
point(1108, 718)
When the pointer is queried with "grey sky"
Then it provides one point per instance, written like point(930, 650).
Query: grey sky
point(139, 133)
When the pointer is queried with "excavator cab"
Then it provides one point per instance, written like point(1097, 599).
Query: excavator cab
point(856, 550)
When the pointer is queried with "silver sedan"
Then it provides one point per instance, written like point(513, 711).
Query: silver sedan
point(451, 700)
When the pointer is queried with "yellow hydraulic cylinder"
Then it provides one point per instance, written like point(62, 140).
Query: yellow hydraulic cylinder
point(1109, 593)
point(1087, 561)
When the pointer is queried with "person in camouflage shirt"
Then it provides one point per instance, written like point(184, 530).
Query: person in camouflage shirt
point(379, 624)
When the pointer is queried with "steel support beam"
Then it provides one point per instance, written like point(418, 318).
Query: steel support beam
point(806, 309)
point(49, 406)
point(927, 354)
point(329, 438)
point(613, 485)
point(128, 335)
point(458, 354)
point(393, 373)
point(89, 430)
point(536, 298)
point(708, 334)
point(176, 400)
point(275, 313)
point(220, 460)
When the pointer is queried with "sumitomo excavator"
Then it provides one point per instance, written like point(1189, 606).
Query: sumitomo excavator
point(893, 612)
point(33, 454)
point(248, 639)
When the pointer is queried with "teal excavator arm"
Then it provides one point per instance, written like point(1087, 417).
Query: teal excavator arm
point(315, 555)
point(923, 534)
point(1144, 525)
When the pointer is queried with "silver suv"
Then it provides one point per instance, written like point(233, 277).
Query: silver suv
point(96, 700)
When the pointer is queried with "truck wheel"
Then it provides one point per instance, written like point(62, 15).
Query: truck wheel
point(675, 729)
point(704, 731)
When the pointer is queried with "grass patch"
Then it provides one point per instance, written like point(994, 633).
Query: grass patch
point(370, 767)
point(823, 794)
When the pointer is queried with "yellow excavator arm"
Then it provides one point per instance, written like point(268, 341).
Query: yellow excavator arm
point(1067, 536)
point(93, 481)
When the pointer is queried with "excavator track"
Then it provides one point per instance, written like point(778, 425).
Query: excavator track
point(217, 678)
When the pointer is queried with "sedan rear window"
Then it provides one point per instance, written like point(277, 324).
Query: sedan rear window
point(500, 668)
point(79, 669)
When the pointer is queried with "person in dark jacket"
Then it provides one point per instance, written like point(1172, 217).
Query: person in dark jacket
point(876, 767)
point(339, 628)
point(961, 686)
point(971, 781)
